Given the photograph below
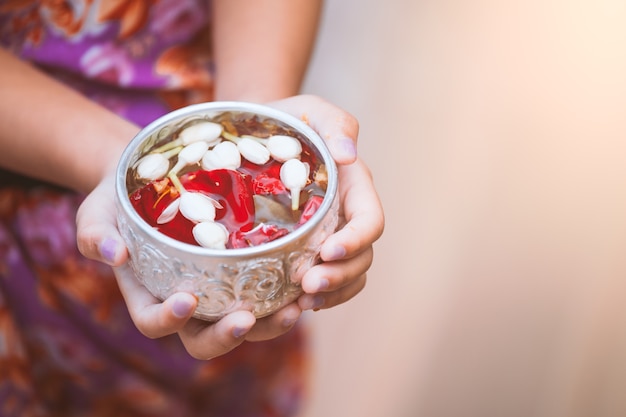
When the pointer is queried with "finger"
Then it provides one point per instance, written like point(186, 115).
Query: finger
point(276, 324)
point(336, 126)
point(330, 276)
point(96, 227)
point(363, 211)
point(151, 317)
point(334, 298)
point(204, 340)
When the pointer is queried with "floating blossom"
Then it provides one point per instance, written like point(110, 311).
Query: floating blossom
point(154, 166)
point(190, 154)
point(253, 151)
point(250, 148)
point(294, 174)
point(207, 132)
point(195, 206)
point(210, 234)
point(283, 148)
point(204, 131)
point(223, 155)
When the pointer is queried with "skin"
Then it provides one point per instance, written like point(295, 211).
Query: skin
point(262, 48)
point(41, 150)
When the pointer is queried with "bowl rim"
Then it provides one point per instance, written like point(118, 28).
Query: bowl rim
point(218, 107)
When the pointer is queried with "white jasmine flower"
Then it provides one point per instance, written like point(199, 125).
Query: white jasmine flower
point(283, 148)
point(210, 235)
point(208, 132)
point(153, 167)
point(294, 175)
point(223, 155)
point(250, 147)
point(195, 206)
point(190, 154)
point(253, 151)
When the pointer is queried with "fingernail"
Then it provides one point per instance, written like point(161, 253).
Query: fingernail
point(322, 284)
point(181, 307)
point(240, 331)
point(312, 302)
point(336, 252)
point(347, 148)
point(318, 301)
point(289, 321)
point(108, 249)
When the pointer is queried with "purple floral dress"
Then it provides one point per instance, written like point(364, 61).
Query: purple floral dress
point(67, 345)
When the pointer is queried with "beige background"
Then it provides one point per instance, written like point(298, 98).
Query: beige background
point(496, 133)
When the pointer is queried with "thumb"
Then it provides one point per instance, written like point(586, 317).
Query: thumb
point(96, 226)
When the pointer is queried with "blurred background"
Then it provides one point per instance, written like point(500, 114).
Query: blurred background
point(496, 132)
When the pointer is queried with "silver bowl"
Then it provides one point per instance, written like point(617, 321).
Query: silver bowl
point(261, 279)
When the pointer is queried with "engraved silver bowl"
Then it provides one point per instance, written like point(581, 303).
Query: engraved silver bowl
point(261, 279)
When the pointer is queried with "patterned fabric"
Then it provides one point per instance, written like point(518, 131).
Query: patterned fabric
point(67, 345)
point(139, 58)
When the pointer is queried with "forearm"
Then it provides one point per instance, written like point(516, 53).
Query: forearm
point(51, 132)
point(262, 47)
